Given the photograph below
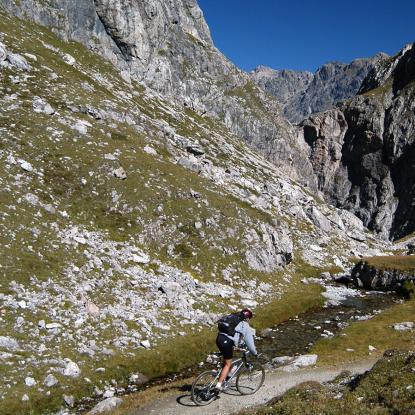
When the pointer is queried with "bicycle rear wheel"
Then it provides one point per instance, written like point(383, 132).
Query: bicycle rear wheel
point(250, 378)
point(203, 388)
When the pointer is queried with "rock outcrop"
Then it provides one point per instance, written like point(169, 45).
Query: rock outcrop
point(370, 277)
point(283, 84)
point(302, 93)
point(363, 151)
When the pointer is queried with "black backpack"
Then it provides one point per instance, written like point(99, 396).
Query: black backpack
point(227, 324)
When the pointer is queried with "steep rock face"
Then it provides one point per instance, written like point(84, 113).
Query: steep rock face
point(284, 84)
point(303, 93)
point(369, 277)
point(374, 134)
point(167, 46)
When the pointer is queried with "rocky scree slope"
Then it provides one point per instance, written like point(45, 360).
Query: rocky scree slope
point(126, 219)
point(363, 151)
point(302, 93)
point(167, 46)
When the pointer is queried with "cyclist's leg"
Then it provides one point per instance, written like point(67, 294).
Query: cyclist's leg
point(225, 345)
point(226, 367)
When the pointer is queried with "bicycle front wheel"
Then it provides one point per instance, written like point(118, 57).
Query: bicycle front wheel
point(250, 378)
point(203, 388)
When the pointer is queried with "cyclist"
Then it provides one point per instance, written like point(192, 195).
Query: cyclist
point(226, 342)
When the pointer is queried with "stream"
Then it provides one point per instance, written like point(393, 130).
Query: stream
point(297, 335)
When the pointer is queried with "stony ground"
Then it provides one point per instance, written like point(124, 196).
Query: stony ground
point(126, 220)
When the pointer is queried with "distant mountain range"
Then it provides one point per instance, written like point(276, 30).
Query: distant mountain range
point(302, 93)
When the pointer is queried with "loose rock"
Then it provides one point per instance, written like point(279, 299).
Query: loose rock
point(106, 406)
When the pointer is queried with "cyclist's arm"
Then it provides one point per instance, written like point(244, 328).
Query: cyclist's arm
point(248, 336)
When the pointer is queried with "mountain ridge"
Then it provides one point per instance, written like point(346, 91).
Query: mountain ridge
point(311, 93)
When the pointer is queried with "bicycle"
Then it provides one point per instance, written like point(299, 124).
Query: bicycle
point(249, 378)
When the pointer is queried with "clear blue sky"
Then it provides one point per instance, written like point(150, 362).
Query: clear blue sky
point(304, 34)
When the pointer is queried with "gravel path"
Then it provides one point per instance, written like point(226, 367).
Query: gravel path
point(276, 383)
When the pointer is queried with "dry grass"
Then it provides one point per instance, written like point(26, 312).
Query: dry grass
point(400, 262)
point(376, 332)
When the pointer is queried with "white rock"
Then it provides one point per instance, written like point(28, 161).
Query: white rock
point(406, 325)
point(140, 259)
point(282, 360)
point(316, 248)
point(69, 59)
point(52, 326)
point(49, 208)
point(305, 360)
point(120, 173)
point(3, 52)
point(32, 199)
point(80, 127)
point(301, 361)
point(250, 303)
point(371, 348)
point(138, 378)
point(26, 166)
point(41, 106)
point(30, 381)
point(71, 369)
point(108, 393)
point(78, 322)
point(69, 400)
point(18, 61)
point(25, 398)
point(92, 309)
point(30, 56)
point(50, 381)
point(9, 344)
point(150, 150)
point(146, 344)
point(22, 304)
point(336, 294)
point(81, 240)
point(105, 406)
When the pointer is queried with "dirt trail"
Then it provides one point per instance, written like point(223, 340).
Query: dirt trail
point(276, 383)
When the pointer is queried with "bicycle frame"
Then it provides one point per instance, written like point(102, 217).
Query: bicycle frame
point(240, 362)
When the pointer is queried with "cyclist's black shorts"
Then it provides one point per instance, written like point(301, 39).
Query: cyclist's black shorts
point(225, 345)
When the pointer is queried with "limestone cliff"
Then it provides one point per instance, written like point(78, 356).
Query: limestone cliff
point(167, 46)
point(363, 151)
